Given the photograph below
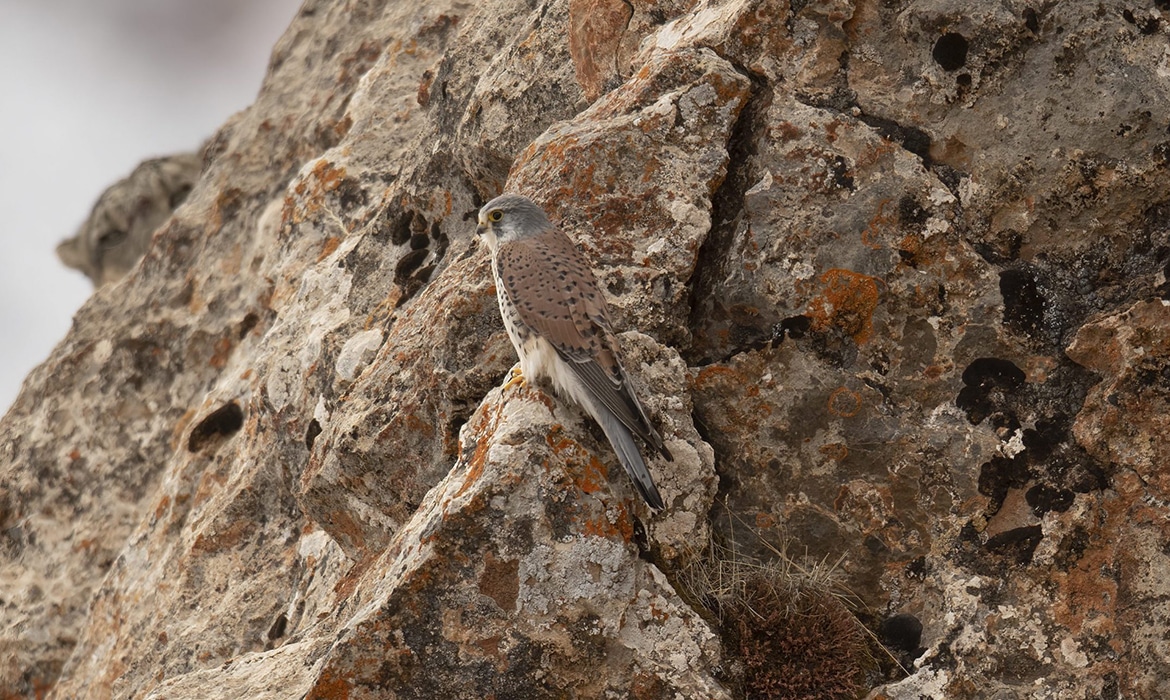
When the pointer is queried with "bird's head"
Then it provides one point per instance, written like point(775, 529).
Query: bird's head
point(510, 217)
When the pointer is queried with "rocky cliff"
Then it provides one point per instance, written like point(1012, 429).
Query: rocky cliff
point(892, 275)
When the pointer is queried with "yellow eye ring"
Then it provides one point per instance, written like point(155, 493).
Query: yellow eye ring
point(495, 215)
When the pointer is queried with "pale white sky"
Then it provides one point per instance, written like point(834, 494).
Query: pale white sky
point(90, 89)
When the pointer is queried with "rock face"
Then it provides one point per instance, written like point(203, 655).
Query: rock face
point(117, 233)
point(893, 274)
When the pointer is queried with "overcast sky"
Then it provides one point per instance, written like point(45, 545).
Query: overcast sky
point(90, 89)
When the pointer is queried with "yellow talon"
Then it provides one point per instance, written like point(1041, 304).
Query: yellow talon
point(516, 379)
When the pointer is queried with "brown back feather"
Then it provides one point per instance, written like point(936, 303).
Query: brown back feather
point(556, 294)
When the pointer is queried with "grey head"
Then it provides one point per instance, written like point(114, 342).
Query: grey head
point(511, 217)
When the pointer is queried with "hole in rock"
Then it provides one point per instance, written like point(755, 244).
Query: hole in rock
point(220, 423)
point(276, 631)
point(950, 51)
point(408, 264)
point(400, 230)
point(902, 631)
point(311, 433)
point(247, 324)
point(1031, 20)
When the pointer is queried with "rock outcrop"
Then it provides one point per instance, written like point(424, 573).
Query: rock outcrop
point(117, 233)
point(893, 276)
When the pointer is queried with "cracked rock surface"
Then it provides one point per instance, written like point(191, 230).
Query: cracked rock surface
point(893, 279)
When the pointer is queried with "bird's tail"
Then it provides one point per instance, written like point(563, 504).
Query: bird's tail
point(627, 451)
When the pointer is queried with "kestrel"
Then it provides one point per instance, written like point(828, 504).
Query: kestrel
point(559, 324)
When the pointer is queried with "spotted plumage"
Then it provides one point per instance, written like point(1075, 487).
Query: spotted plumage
point(558, 322)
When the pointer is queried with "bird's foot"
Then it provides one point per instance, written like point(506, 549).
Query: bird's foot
point(517, 379)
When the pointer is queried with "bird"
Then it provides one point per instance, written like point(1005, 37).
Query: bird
point(558, 321)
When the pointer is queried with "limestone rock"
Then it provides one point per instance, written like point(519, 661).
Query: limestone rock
point(1126, 417)
point(892, 275)
point(677, 113)
point(116, 234)
point(520, 567)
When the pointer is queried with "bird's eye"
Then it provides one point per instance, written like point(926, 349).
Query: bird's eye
point(496, 215)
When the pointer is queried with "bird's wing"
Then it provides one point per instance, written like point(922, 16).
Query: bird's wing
point(555, 293)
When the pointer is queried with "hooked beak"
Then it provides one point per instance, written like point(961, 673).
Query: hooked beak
point(480, 229)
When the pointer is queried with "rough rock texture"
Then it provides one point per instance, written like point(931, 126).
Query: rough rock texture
point(893, 274)
point(117, 233)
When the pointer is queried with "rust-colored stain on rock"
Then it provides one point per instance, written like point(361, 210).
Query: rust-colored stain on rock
point(844, 402)
point(847, 301)
point(500, 581)
point(328, 247)
point(331, 685)
point(346, 526)
point(223, 350)
point(595, 29)
point(831, 215)
point(225, 539)
point(482, 434)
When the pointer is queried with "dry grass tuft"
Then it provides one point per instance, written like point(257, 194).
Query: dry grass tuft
point(785, 625)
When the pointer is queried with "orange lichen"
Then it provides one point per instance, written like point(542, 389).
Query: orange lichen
point(868, 158)
point(330, 686)
point(328, 247)
point(329, 176)
point(881, 222)
point(835, 451)
point(485, 429)
point(223, 350)
point(557, 443)
point(162, 506)
point(600, 526)
point(228, 538)
point(593, 477)
point(910, 243)
point(713, 373)
point(847, 301)
point(844, 402)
